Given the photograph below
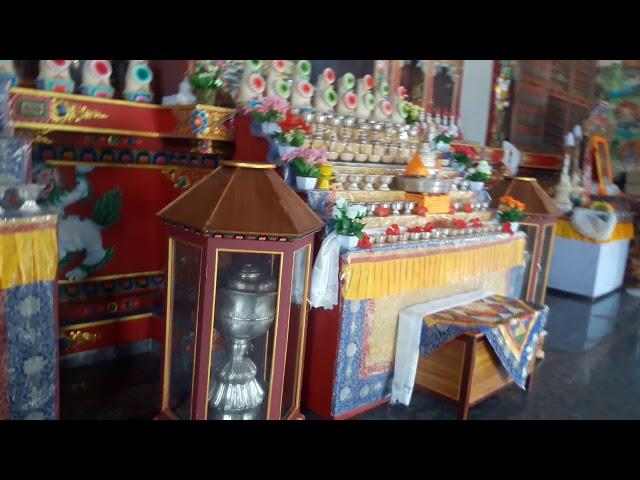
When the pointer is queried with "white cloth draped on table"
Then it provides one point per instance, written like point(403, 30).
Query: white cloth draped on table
point(408, 340)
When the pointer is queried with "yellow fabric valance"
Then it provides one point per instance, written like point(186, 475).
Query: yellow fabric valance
point(383, 274)
point(623, 231)
point(28, 252)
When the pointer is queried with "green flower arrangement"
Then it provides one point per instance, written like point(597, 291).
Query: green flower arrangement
point(207, 75)
point(413, 113)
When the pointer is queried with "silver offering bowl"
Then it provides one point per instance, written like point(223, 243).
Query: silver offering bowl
point(369, 181)
point(308, 117)
point(396, 207)
point(355, 182)
point(348, 122)
point(408, 207)
point(29, 194)
point(393, 238)
point(385, 181)
point(415, 235)
point(245, 309)
point(371, 208)
point(382, 238)
point(404, 237)
point(341, 178)
point(426, 235)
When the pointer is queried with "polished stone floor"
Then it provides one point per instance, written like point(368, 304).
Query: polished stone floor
point(591, 371)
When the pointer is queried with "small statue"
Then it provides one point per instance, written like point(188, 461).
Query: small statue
point(55, 75)
point(366, 100)
point(325, 98)
point(96, 79)
point(302, 88)
point(347, 100)
point(137, 84)
point(383, 108)
point(184, 96)
point(562, 194)
point(252, 83)
point(277, 83)
point(400, 107)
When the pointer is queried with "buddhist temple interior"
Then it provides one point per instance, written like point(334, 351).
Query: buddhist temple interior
point(319, 239)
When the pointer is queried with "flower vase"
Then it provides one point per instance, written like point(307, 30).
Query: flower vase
point(515, 226)
point(306, 183)
point(348, 242)
point(205, 96)
point(476, 186)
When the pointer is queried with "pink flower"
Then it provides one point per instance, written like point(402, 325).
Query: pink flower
point(298, 152)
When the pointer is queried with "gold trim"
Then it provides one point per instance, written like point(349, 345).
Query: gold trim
point(81, 98)
point(526, 179)
point(259, 166)
point(111, 277)
point(73, 163)
point(275, 342)
point(167, 328)
point(113, 101)
point(169, 324)
point(548, 266)
point(213, 314)
point(533, 262)
point(75, 113)
point(303, 334)
point(76, 326)
point(113, 131)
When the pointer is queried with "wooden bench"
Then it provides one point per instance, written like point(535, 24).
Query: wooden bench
point(466, 371)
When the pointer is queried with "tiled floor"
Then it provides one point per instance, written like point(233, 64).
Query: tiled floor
point(591, 371)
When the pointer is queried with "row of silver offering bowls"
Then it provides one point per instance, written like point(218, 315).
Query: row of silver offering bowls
point(357, 181)
point(397, 208)
point(436, 233)
point(476, 206)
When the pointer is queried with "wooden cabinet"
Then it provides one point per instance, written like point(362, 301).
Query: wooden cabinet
point(550, 98)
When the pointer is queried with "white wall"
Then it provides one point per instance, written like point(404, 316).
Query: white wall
point(475, 100)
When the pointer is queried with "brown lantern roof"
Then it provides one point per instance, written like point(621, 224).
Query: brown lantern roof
point(243, 198)
point(528, 191)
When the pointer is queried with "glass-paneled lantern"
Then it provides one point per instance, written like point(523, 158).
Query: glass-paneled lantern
point(539, 223)
point(240, 249)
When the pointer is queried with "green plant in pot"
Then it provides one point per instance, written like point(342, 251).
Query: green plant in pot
point(349, 223)
point(304, 162)
point(478, 175)
point(206, 80)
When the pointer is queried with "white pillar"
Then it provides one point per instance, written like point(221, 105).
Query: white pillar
point(475, 100)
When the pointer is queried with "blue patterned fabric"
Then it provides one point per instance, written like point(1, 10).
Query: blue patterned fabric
point(432, 338)
point(350, 391)
point(31, 338)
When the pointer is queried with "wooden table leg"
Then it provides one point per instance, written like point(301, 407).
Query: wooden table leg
point(467, 377)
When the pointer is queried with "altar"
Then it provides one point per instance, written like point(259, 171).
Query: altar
point(587, 267)
point(351, 348)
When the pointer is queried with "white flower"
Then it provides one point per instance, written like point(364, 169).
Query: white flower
point(471, 170)
point(336, 212)
point(33, 365)
point(29, 306)
point(353, 211)
point(484, 167)
point(341, 202)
